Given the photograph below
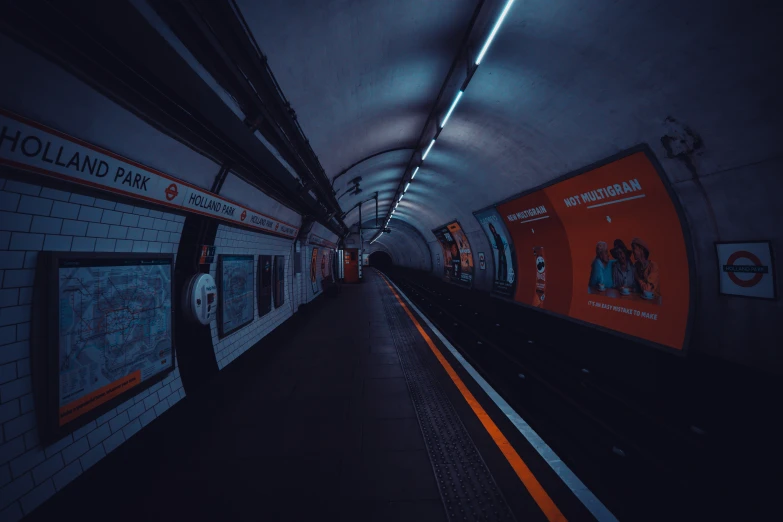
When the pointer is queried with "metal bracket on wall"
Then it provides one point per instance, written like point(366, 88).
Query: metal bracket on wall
point(220, 179)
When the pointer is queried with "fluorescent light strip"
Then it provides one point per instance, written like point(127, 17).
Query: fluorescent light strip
point(424, 156)
point(401, 195)
point(494, 31)
point(453, 105)
point(414, 172)
point(406, 187)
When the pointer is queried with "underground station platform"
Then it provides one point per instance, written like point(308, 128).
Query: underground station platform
point(353, 410)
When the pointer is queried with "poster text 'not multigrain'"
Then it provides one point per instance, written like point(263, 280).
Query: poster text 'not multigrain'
point(618, 189)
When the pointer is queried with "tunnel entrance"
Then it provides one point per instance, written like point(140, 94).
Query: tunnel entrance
point(381, 260)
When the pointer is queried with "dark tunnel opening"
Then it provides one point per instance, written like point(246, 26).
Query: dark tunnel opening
point(381, 260)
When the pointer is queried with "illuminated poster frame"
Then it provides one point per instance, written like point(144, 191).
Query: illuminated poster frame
point(446, 238)
point(687, 247)
point(265, 276)
point(314, 269)
point(45, 339)
point(278, 278)
point(222, 258)
point(326, 264)
point(505, 267)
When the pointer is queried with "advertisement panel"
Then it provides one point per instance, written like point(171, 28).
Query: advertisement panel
point(457, 256)
point(279, 281)
point(605, 247)
point(236, 292)
point(503, 254)
point(264, 285)
point(326, 265)
point(109, 333)
point(314, 270)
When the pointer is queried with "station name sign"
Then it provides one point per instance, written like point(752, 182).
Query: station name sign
point(31, 146)
point(317, 240)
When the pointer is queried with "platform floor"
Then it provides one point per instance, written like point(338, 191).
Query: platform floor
point(322, 420)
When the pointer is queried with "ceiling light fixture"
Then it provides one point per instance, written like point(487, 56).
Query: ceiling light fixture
point(494, 31)
point(479, 58)
point(424, 156)
point(453, 105)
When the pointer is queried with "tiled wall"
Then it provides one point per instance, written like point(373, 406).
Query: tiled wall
point(232, 240)
point(35, 218)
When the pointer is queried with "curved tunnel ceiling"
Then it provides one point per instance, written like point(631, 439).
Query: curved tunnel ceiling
point(565, 84)
point(362, 76)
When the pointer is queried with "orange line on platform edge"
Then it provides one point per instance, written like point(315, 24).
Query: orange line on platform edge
point(533, 486)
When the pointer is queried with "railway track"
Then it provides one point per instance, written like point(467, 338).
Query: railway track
point(642, 466)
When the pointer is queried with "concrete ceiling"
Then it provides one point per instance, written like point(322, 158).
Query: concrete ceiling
point(565, 83)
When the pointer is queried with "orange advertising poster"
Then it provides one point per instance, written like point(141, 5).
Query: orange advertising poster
point(605, 247)
point(544, 270)
point(94, 399)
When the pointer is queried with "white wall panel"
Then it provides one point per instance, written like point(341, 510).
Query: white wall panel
point(231, 240)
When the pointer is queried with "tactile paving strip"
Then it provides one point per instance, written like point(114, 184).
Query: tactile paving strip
point(468, 490)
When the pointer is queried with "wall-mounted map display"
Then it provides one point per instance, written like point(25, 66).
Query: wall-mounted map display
point(264, 285)
point(457, 256)
point(503, 254)
point(604, 246)
point(236, 292)
point(108, 333)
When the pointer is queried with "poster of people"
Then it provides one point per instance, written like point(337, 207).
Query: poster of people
point(457, 256)
point(503, 253)
point(604, 247)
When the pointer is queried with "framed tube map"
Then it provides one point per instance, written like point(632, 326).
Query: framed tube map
point(457, 256)
point(604, 246)
point(235, 293)
point(103, 332)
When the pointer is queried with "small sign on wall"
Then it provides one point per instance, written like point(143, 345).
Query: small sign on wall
point(746, 269)
point(482, 261)
point(207, 255)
